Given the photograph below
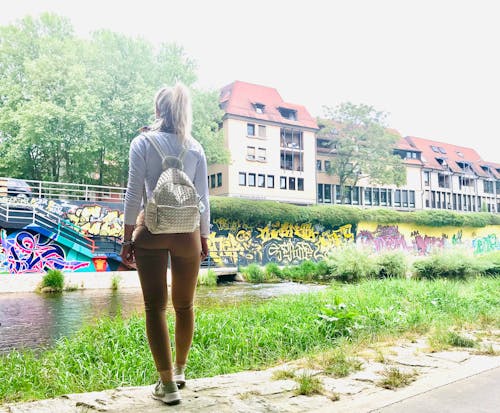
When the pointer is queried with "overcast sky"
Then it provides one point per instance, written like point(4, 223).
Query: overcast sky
point(433, 65)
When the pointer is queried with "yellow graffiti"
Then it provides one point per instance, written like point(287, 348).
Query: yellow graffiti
point(226, 225)
point(279, 231)
point(96, 220)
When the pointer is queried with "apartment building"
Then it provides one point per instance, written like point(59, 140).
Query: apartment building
point(271, 144)
point(276, 155)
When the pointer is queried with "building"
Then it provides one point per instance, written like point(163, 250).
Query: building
point(276, 155)
point(271, 144)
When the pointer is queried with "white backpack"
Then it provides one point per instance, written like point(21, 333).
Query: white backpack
point(175, 205)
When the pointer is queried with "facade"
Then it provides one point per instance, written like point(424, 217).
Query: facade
point(276, 155)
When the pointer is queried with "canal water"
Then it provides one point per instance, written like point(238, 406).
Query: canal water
point(30, 320)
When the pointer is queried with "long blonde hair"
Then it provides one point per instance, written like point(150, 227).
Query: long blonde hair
point(173, 111)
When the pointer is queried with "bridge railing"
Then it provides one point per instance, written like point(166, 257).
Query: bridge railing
point(60, 190)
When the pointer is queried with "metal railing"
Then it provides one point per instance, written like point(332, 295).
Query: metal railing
point(25, 214)
point(60, 190)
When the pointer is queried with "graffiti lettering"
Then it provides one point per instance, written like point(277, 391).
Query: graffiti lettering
point(486, 244)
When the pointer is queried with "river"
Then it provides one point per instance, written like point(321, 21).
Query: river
point(31, 320)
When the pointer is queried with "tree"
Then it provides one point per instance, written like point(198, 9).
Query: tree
point(69, 107)
point(361, 146)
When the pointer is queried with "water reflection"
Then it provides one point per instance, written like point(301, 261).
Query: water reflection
point(34, 321)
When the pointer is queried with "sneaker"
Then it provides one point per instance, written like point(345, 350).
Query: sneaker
point(167, 393)
point(179, 377)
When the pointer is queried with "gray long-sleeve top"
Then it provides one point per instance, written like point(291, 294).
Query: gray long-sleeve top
point(145, 168)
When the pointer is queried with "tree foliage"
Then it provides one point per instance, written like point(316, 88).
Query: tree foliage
point(69, 107)
point(361, 146)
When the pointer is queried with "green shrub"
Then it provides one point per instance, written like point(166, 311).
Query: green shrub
point(490, 263)
point(447, 264)
point(273, 271)
point(350, 264)
point(253, 273)
point(208, 278)
point(53, 281)
point(392, 264)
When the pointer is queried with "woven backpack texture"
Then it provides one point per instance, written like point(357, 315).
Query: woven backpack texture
point(175, 205)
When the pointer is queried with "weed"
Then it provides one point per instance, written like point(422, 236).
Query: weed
point(395, 378)
point(488, 350)
point(337, 363)
point(339, 319)
point(253, 273)
point(115, 282)
point(351, 264)
point(283, 375)
point(53, 281)
point(248, 394)
point(208, 278)
point(456, 340)
point(308, 385)
point(273, 271)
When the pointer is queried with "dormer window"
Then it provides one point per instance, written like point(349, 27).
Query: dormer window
point(442, 162)
point(259, 107)
point(290, 114)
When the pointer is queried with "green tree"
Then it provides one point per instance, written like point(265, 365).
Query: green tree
point(69, 107)
point(361, 146)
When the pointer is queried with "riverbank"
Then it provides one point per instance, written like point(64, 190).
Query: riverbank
point(272, 390)
point(113, 352)
point(86, 280)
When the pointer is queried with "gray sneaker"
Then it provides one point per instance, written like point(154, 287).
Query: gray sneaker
point(168, 393)
point(179, 377)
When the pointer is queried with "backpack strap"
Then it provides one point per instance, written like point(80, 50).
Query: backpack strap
point(168, 160)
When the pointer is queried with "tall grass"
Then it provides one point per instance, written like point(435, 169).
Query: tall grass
point(53, 281)
point(114, 352)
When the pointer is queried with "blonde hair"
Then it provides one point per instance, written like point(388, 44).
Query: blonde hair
point(173, 111)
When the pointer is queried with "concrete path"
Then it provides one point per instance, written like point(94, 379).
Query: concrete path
point(443, 381)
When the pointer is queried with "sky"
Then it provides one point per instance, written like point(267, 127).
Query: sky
point(432, 65)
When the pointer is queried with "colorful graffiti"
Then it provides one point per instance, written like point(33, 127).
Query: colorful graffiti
point(234, 243)
point(97, 220)
point(422, 240)
point(24, 252)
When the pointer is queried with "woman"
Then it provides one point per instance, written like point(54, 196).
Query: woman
point(172, 131)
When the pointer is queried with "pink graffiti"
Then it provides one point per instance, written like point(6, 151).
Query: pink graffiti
point(424, 244)
point(24, 253)
point(383, 238)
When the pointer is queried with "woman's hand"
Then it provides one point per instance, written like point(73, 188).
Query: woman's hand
point(204, 248)
point(127, 254)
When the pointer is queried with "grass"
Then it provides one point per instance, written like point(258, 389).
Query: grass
point(337, 362)
point(114, 352)
point(394, 378)
point(308, 385)
point(115, 282)
point(52, 281)
point(283, 375)
point(208, 278)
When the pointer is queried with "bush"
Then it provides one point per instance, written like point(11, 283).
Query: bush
point(350, 264)
point(447, 264)
point(208, 278)
point(391, 264)
point(489, 263)
point(273, 271)
point(53, 281)
point(253, 273)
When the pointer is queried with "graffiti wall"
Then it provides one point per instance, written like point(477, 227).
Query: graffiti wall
point(422, 240)
point(24, 251)
point(235, 243)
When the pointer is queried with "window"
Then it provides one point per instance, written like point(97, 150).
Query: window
point(337, 194)
point(397, 198)
point(414, 155)
point(434, 148)
point(261, 180)
point(219, 179)
point(261, 154)
point(408, 155)
point(262, 131)
point(243, 178)
point(290, 114)
point(320, 193)
point(347, 195)
point(259, 107)
point(291, 161)
point(405, 198)
point(251, 179)
point(375, 196)
point(355, 195)
point(327, 166)
point(212, 181)
point(383, 197)
point(328, 194)
point(300, 184)
point(441, 149)
point(251, 153)
point(368, 196)
point(291, 138)
point(488, 187)
point(427, 178)
point(443, 181)
point(412, 199)
point(250, 129)
point(291, 183)
point(318, 165)
point(282, 182)
point(270, 181)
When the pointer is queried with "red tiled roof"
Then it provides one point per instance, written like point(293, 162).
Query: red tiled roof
point(405, 146)
point(240, 97)
point(494, 168)
point(451, 155)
